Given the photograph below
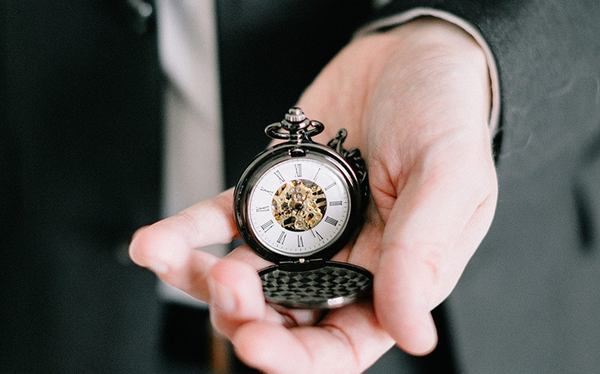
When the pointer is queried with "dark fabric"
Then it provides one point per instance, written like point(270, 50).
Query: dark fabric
point(83, 109)
point(80, 142)
point(268, 54)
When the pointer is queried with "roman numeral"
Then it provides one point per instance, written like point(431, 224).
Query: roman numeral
point(331, 221)
point(300, 241)
point(267, 225)
point(265, 190)
point(316, 174)
point(313, 232)
point(335, 203)
point(328, 187)
point(279, 176)
point(298, 168)
point(262, 209)
point(281, 238)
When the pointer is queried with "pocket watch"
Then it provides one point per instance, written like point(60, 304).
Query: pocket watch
point(297, 204)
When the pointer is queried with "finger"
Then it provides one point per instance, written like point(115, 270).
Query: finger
point(432, 231)
point(244, 254)
point(348, 340)
point(236, 297)
point(168, 246)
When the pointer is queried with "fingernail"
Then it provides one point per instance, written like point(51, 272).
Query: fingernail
point(222, 297)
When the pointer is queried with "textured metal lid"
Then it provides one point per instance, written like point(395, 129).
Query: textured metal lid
point(327, 285)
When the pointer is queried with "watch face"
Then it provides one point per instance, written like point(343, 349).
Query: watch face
point(299, 206)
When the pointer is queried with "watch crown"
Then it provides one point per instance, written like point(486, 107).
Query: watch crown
point(295, 115)
point(295, 127)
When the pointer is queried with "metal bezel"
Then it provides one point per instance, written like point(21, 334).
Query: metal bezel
point(281, 153)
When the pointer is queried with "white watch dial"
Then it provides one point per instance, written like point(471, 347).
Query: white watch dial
point(299, 206)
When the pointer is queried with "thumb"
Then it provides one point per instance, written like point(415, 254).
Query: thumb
point(401, 300)
point(434, 227)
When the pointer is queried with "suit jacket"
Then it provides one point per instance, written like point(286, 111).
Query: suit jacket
point(80, 143)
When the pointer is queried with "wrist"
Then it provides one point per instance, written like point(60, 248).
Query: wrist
point(442, 57)
point(445, 65)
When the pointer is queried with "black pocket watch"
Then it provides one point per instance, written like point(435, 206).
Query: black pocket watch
point(297, 204)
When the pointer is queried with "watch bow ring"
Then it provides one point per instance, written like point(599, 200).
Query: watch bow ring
point(297, 204)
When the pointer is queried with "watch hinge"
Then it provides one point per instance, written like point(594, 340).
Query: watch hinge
point(301, 264)
point(297, 152)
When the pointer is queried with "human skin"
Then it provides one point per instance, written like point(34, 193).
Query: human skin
point(416, 101)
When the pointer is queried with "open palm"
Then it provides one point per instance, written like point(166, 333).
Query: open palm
point(415, 100)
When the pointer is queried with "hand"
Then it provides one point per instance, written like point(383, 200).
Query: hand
point(415, 100)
